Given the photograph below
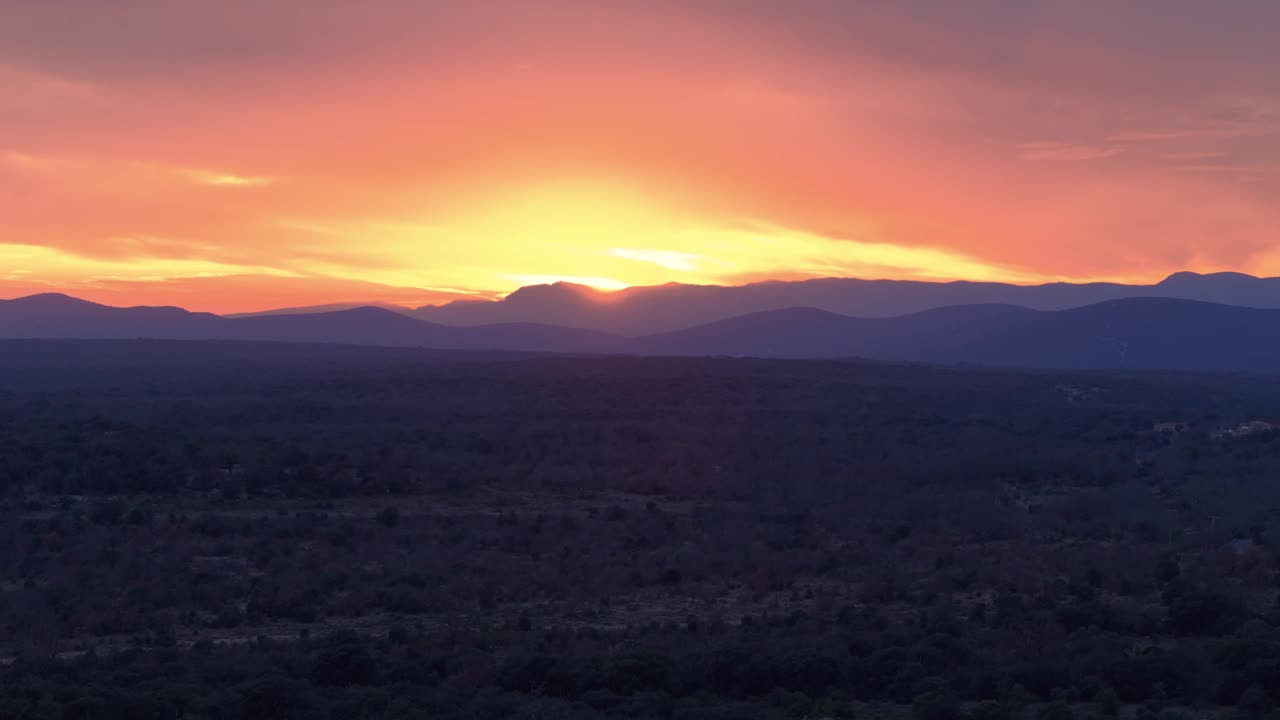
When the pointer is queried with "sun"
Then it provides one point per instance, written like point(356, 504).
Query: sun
point(609, 234)
point(580, 231)
point(582, 214)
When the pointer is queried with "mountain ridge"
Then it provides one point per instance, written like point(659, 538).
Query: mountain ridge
point(1141, 332)
point(655, 309)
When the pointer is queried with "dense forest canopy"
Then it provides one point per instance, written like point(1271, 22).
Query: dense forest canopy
point(223, 531)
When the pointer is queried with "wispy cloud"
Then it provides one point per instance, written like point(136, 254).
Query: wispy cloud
point(101, 166)
point(670, 259)
point(228, 180)
point(1141, 136)
point(1240, 172)
point(1260, 124)
point(24, 88)
point(27, 161)
point(205, 124)
point(1191, 155)
point(1069, 152)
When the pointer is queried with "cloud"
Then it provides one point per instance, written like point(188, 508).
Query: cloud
point(1157, 135)
point(195, 284)
point(1242, 173)
point(670, 259)
point(1192, 155)
point(1231, 120)
point(229, 180)
point(381, 139)
point(24, 161)
point(1216, 131)
point(1067, 151)
point(28, 90)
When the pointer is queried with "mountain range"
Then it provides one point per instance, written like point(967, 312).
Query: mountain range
point(662, 308)
point(1126, 332)
point(60, 316)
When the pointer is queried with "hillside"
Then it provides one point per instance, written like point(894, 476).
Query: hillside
point(1138, 333)
point(665, 308)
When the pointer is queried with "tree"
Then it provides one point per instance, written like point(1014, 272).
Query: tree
point(1255, 702)
point(1056, 710)
point(989, 710)
point(344, 664)
point(936, 702)
point(1108, 701)
point(389, 516)
point(279, 698)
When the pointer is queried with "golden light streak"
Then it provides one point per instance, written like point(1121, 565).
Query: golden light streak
point(62, 269)
point(230, 180)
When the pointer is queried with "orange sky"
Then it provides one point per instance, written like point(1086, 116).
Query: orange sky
point(241, 155)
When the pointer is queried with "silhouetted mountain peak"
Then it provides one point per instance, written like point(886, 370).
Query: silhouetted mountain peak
point(1187, 277)
point(357, 322)
point(1180, 277)
point(552, 291)
point(368, 311)
point(318, 309)
point(645, 310)
point(51, 300)
point(61, 302)
point(794, 314)
point(1150, 331)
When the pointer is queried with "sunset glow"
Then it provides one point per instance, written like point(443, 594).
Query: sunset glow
point(238, 156)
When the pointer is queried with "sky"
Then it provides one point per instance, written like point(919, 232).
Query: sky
point(240, 155)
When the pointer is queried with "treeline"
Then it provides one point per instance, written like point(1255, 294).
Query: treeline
point(592, 538)
point(856, 664)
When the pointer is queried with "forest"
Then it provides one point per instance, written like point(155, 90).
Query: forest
point(195, 531)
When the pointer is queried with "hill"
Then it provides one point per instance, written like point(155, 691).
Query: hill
point(1139, 333)
point(60, 316)
point(1145, 333)
point(664, 308)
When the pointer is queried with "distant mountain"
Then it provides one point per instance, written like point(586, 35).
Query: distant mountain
point(60, 316)
point(1138, 333)
point(647, 310)
point(1145, 333)
point(330, 307)
point(811, 333)
point(54, 315)
point(1135, 333)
